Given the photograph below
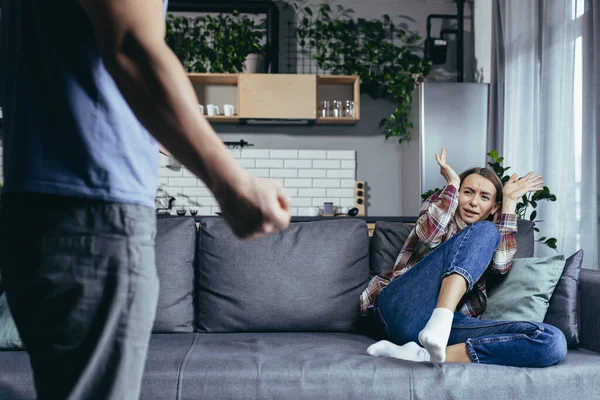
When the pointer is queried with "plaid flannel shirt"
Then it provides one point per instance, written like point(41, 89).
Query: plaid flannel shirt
point(437, 223)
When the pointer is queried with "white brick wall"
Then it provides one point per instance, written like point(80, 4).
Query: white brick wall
point(310, 177)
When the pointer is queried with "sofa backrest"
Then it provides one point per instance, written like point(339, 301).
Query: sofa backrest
point(307, 278)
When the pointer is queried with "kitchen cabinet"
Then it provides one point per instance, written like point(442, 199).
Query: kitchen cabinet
point(276, 97)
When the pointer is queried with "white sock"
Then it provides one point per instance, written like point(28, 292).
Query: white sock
point(410, 351)
point(434, 337)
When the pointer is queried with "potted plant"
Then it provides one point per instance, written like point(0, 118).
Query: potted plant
point(217, 44)
point(254, 62)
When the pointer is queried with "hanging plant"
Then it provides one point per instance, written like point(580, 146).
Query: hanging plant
point(217, 44)
point(383, 54)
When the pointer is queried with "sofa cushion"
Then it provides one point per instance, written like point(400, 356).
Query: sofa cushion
point(291, 365)
point(164, 363)
point(306, 278)
point(524, 238)
point(563, 310)
point(175, 251)
point(386, 243)
point(389, 237)
point(523, 294)
point(336, 366)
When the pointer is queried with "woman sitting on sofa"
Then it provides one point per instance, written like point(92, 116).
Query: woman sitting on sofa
point(436, 291)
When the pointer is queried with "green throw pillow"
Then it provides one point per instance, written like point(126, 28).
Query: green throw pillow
point(524, 293)
point(9, 336)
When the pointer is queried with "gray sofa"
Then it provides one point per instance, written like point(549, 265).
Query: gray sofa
point(278, 318)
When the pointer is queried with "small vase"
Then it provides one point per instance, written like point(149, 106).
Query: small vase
point(253, 64)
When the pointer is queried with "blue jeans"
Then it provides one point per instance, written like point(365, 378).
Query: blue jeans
point(403, 308)
point(81, 282)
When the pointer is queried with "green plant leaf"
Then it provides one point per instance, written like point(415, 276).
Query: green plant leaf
point(551, 243)
point(533, 215)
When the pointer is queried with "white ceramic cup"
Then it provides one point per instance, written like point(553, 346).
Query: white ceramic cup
point(212, 109)
point(228, 109)
point(314, 211)
point(201, 109)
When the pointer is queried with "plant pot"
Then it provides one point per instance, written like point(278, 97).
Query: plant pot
point(254, 64)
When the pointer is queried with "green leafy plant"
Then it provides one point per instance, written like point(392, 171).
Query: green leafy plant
point(382, 53)
point(528, 200)
point(216, 44)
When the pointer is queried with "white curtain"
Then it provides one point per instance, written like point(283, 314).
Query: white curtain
point(543, 117)
point(590, 164)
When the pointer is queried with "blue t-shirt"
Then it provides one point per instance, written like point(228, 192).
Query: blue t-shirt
point(67, 128)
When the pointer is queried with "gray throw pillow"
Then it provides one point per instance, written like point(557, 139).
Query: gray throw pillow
point(524, 292)
point(175, 248)
point(9, 336)
point(306, 278)
point(563, 311)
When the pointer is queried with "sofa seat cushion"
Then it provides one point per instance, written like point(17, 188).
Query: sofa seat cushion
point(321, 365)
point(307, 278)
point(336, 366)
point(166, 355)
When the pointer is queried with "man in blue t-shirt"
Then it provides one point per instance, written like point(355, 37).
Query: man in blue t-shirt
point(87, 86)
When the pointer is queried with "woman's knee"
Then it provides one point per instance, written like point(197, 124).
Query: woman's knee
point(486, 229)
point(478, 243)
point(555, 346)
point(485, 233)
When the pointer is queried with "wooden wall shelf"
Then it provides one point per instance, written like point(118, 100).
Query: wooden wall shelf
point(215, 79)
point(336, 120)
point(275, 96)
point(223, 119)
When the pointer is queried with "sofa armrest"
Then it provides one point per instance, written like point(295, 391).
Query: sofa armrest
point(589, 298)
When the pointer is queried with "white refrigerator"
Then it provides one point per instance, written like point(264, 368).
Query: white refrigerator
point(450, 115)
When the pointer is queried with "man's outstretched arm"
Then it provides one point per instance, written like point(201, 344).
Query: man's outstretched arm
point(130, 36)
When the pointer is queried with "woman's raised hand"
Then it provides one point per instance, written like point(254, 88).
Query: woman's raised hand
point(515, 188)
point(447, 172)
